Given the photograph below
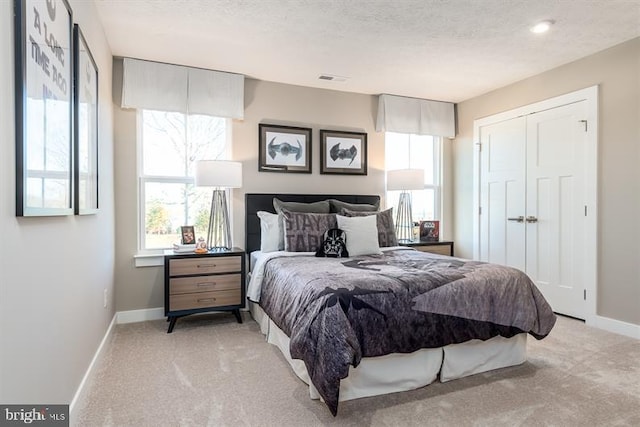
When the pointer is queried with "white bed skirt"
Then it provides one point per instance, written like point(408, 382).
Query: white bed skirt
point(401, 372)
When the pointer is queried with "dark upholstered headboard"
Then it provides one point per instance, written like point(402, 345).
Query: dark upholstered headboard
point(255, 202)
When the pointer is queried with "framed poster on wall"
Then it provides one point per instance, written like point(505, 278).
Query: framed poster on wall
point(85, 126)
point(343, 153)
point(44, 107)
point(284, 148)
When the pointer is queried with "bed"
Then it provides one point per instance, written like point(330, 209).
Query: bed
point(389, 321)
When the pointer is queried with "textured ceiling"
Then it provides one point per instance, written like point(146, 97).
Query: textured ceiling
point(448, 50)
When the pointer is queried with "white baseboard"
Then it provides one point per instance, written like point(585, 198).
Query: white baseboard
point(133, 316)
point(616, 326)
point(81, 394)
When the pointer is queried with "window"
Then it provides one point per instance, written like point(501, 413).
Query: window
point(407, 151)
point(169, 146)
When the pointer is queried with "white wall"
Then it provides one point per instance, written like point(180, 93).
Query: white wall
point(617, 72)
point(53, 271)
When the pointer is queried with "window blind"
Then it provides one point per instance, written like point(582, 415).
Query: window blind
point(166, 87)
point(416, 116)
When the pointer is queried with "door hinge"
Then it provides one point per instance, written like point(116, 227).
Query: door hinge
point(585, 294)
point(479, 144)
point(585, 210)
point(480, 210)
point(585, 124)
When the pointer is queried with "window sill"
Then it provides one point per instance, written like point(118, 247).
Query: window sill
point(148, 260)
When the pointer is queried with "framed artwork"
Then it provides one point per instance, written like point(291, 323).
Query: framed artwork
point(343, 153)
point(188, 235)
point(85, 126)
point(284, 149)
point(44, 107)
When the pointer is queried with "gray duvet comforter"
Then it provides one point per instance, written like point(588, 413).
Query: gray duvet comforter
point(338, 310)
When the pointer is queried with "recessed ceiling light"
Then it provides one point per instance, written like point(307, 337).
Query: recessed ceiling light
point(541, 27)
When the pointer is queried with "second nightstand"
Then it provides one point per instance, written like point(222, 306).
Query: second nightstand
point(197, 283)
point(442, 248)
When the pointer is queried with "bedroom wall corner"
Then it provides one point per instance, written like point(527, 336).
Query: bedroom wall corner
point(617, 73)
point(53, 270)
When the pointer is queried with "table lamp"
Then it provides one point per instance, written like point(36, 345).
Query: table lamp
point(405, 180)
point(219, 174)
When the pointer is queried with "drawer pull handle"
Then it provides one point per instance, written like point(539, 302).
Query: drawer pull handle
point(206, 284)
point(206, 265)
point(206, 300)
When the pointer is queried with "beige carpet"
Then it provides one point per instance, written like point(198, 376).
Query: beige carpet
point(213, 371)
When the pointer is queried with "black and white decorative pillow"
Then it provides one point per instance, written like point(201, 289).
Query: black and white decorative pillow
point(334, 244)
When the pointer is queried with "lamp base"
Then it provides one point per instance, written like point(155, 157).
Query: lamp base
point(404, 221)
point(219, 232)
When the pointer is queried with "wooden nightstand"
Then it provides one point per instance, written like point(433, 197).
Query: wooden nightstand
point(197, 283)
point(442, 248)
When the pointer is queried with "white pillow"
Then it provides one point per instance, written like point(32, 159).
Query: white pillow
point(362, 234)
point(271, 232)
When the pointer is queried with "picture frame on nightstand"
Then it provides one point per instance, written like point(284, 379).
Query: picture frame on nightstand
point(187, 235)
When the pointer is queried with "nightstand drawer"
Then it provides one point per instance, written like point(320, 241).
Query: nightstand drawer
point(185, 285)
point(435, 249)
point(204, 265)
point(205, 299)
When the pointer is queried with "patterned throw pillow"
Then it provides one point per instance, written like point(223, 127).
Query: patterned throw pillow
point(334, 244)
point(304, 232)
point(384, 221)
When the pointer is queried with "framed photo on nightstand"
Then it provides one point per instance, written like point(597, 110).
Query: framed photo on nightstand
point(188, 235)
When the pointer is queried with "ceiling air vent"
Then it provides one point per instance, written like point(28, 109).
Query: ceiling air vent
point(332, 78)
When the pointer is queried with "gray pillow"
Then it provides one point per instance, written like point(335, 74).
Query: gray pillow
point(316, 207)
point(384, 221)
point(304, 232)
point(337, 206)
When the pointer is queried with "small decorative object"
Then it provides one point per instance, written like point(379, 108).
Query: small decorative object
point(429, 231)
point(179, 248)
point(405, 180)
point(416, 230)
point(343, 153)
point(44, 107)
point(220, 175)
point(334, 244)
point(201, 246)
point(188, 235)
point(284, 149)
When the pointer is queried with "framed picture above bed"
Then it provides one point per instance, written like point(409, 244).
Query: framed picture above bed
point(284, 149)
point(343, 153)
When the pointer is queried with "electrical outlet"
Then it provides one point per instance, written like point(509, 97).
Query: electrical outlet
point(104, 303)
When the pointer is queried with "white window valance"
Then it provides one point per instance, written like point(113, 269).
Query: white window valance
point(416, 116)
point(167, 87)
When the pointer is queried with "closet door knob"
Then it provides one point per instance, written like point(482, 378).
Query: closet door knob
point(518, 219)
point(532, 219)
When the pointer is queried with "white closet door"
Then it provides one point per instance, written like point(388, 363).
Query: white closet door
point(556, 222)
point(502, 193)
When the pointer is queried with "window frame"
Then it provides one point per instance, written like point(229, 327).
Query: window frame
point(437, 185)
point(142, 180)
